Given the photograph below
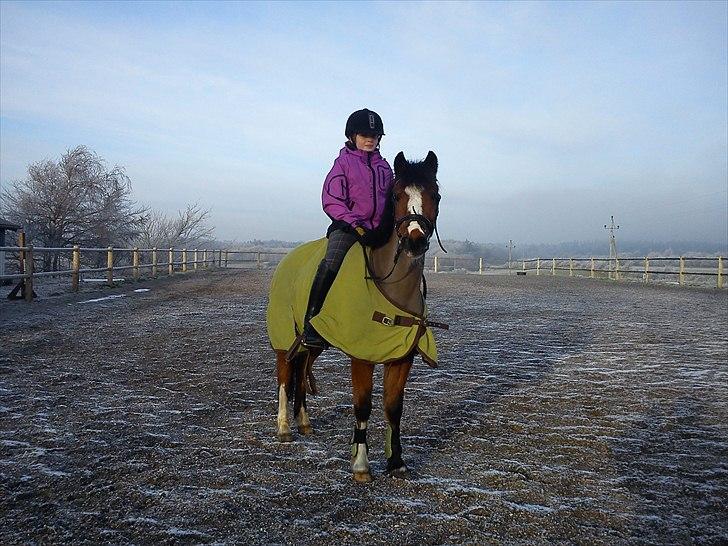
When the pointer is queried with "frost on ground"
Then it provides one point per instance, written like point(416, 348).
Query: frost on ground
point(563, 410)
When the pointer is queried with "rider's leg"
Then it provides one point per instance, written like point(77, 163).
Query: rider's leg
point(339, 244)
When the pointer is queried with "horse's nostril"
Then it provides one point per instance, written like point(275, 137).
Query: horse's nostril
point(416, 246)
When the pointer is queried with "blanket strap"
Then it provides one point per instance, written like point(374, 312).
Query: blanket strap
point(293, 350)
point(401, 320)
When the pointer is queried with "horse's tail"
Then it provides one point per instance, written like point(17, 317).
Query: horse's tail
point(303, 371)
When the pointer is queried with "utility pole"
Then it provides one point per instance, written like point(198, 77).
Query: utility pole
point(613, 257)
point(511, 246)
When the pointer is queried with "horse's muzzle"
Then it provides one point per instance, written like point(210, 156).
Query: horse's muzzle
point(415, 247)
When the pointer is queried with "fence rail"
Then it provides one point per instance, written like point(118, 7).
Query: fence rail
point(185, 260)
point(623, 268)
point(177, 259)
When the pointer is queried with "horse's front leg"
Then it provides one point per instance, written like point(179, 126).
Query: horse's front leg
point(395, 378)
point(285, 389)
point(361, 382)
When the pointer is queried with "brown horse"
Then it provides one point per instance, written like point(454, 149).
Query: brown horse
point(397, 268)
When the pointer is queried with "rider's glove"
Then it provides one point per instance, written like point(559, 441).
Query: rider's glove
point(360, 230)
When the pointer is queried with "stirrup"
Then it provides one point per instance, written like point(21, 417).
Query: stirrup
point(312, 339)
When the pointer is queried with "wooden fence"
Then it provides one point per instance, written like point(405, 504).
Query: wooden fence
point(158, 261)
point(152, 260)
point(645, 269)
point(684, 269)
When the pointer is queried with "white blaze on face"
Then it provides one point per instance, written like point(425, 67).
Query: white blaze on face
point(414, 206)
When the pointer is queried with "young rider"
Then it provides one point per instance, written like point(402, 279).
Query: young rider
point(355, 195)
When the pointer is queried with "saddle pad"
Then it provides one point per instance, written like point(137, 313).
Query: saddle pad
point(345, 320)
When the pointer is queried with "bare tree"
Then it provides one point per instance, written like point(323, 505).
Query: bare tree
point(74, 201)
point(188, 229)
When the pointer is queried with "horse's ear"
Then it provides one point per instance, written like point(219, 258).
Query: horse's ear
point(400, 163)
point(431, 161)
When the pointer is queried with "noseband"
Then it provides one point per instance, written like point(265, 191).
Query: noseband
point(427, 226)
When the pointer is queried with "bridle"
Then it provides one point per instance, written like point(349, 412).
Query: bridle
point(428, 228)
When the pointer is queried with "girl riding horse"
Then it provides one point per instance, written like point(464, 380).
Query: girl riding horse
point(375, 313)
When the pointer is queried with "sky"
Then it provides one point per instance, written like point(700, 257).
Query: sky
point(547, 118)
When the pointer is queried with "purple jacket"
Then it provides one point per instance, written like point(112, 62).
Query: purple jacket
point(357, 188)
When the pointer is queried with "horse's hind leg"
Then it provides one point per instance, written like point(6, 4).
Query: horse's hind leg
point(302, 364)
point(285, 389)
point(395, 378)
point(361, 381)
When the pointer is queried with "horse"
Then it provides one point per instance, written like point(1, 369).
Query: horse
point(396, 268)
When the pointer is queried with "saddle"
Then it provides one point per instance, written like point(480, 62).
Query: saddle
point(356, 317)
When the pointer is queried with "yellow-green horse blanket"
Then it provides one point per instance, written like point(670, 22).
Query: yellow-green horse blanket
point(346, 318)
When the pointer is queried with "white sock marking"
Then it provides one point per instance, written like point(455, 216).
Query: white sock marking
point(361, 461)
point(283, 427)
point(302, 418)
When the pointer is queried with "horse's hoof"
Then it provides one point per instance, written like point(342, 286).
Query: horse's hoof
point(285, 437)
point(362, 477)
point(401, 472)
point(306, 430)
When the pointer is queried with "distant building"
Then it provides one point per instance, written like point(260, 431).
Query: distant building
point(5, 226)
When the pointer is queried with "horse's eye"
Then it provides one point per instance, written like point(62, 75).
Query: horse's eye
point(437, 197)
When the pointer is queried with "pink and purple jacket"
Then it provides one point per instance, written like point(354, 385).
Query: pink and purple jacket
point(357, 188)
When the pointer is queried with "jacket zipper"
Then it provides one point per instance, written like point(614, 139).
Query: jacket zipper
point(374, 189)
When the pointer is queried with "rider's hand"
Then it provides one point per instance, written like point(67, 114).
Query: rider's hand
point(360, 230)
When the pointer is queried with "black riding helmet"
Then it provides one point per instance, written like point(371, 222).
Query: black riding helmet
point(362, 122)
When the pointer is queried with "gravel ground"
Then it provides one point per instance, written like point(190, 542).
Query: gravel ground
point(564, 410)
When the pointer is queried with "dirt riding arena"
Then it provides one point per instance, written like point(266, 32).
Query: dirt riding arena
point(564, 410)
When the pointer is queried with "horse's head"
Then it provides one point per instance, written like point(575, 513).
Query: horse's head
point(416, 202)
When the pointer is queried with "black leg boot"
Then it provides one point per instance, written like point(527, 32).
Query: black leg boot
point(320, 287)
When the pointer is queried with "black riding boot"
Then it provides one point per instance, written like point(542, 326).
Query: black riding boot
point(320, 287)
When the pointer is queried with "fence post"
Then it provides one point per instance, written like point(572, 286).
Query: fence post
point(195, 266)
point(720, 271)
point(436, 265)
point(154, 262)
point(75, 266)
point(616, 268)
point(257, 259)
point(591, 271)
point(219, 258)
point(29, 269)
point(538, 266)
point(21, 254)
point(184, 260)
point(647, 270)
point(524, 265)
point(681, 276)
point(170, 261)
point(204, 258)
point(135, 262)
point(110, 266)
point(553, 266)
point(571, 267)
point(226, 258)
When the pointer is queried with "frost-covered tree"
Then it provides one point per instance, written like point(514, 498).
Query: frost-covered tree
point(73, 201)
point(188, 229)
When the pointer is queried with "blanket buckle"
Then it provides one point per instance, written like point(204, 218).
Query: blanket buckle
point(387, 321)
